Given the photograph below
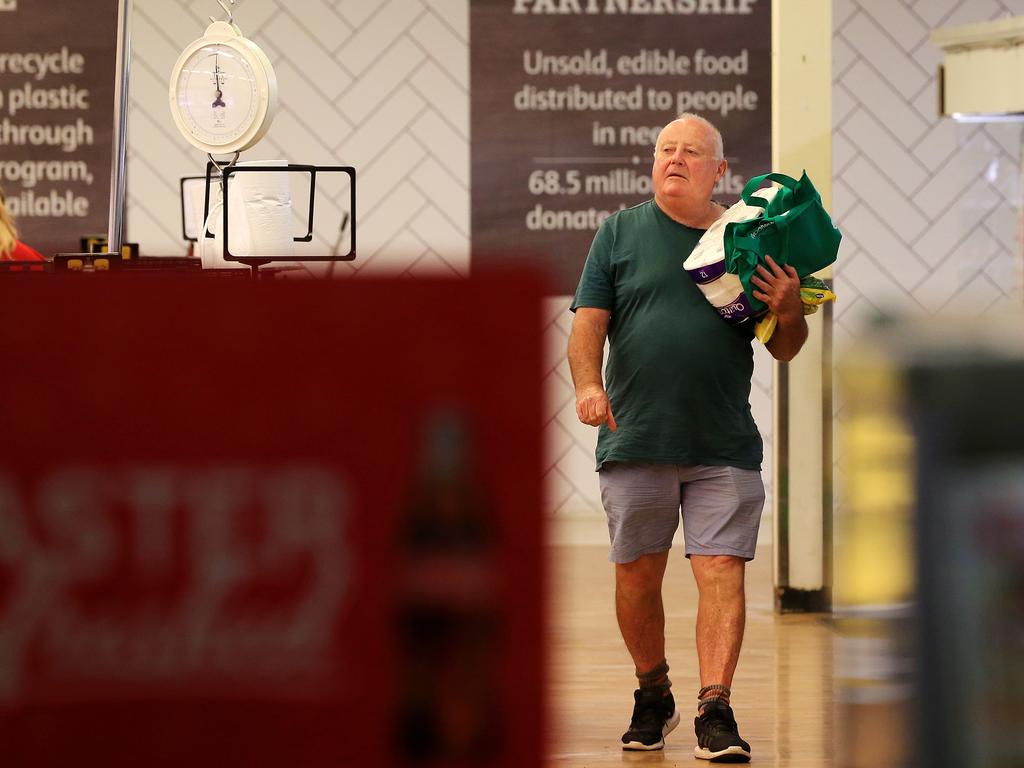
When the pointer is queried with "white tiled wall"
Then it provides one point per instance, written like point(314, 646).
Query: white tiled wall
point(382, 86)
point(929, 208)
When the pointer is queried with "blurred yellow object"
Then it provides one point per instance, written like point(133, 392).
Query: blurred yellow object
point(813, 295)
point(874, 580)
point(878, 451)
point(765, 327)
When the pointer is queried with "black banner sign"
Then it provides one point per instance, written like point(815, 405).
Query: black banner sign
point(56, 118)
point(567, 100)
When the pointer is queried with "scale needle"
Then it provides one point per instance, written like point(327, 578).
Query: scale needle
point(218, 101)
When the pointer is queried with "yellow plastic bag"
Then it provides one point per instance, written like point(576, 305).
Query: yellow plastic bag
point(813, 293)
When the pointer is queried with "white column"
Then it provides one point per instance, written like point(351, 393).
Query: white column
point(802, 140)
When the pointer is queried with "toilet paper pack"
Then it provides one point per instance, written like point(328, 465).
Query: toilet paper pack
point(706, 263)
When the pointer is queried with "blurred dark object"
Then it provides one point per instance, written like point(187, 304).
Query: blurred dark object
point(930, 583)
point(448, 510)
point(969, 425)
point(449, 616)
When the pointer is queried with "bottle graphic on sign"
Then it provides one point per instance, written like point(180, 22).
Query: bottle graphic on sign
point(447, 618)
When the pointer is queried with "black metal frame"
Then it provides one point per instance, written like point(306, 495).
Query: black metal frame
point(255, 262)
point(184, 232)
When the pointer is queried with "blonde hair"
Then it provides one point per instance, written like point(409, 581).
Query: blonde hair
point(8, 232)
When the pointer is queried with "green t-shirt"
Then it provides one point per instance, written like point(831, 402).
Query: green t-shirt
point(678, 375)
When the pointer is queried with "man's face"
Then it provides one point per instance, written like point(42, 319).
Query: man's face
point(685, 165)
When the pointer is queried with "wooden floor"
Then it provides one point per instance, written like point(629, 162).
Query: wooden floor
point(782, 694)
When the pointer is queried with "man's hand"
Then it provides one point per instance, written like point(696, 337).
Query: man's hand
point(779, 288)
point(593, 408)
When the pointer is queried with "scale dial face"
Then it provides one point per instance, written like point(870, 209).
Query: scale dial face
point(223, 91)
point(218, 95)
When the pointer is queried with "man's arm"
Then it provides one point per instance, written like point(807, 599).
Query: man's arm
point(780, 290)
point(586, 354)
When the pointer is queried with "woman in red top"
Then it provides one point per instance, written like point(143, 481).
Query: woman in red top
point(11, 249)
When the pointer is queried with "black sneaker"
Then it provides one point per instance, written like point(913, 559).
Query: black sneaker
point(718, 738)
point(654, 717)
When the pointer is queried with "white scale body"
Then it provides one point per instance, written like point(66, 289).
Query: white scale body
point(223, 91)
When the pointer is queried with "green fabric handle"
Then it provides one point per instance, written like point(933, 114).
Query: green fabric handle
point(786, 218)
point(755, 182)
point(743, 261)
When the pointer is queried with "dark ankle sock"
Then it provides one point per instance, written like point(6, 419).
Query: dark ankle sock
point(655, 679)
point(712, 693)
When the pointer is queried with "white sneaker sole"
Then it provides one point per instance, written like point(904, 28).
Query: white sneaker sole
point(670, 725)
point(730, 755)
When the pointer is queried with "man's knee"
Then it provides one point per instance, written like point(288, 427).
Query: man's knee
point(641, 576)
point(723, 563)
point(718, 569)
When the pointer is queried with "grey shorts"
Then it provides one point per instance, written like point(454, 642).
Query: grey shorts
point(721, 509)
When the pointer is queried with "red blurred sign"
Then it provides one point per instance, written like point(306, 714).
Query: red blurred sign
point(280, 523)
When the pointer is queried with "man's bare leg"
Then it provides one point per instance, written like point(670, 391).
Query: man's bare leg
point(640, 610)
point(641, 614)
point(721, 616)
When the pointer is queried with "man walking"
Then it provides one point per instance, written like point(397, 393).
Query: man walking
point(676, 429)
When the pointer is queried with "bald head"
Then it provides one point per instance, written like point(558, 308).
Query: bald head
point(718, 147)
point(688, 163)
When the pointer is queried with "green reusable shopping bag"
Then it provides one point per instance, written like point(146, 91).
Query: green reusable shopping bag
point(795, 229)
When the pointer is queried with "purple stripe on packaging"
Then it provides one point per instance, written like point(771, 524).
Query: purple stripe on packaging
point(737, 311)
point(707, 273)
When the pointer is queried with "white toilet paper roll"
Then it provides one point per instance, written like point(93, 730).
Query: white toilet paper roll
point(260, 217)
point(260, 212)
point(724, 290)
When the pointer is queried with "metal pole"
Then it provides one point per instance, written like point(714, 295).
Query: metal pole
point(115, 233)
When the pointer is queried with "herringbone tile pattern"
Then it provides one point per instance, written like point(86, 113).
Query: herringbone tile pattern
point(382, 86)
point(930, 209)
